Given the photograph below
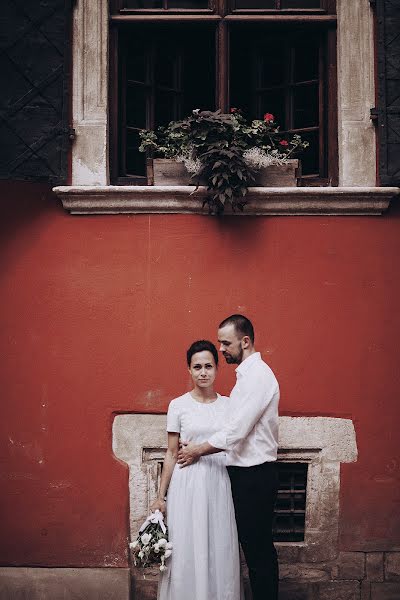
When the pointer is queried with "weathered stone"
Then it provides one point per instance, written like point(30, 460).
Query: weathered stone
point(365, 590)
point(144, 589)
point(24, 583)
point(139, 440)
point(295, 591)
point(103, 199)
point(374, 566)
point(288, 554)
point(385, 591)
point(301, 572)
point(350, 565)
point(357, 152)
point(392, 566)
point(339, 590)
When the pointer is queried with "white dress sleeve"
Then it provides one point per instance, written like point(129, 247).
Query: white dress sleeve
point(173, 418)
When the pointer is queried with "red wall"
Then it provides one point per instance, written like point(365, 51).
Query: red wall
point(96, 316)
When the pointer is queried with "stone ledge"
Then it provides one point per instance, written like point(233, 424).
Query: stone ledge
point(261, 201)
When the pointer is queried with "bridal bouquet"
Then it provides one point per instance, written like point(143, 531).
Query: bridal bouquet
point(151, 546)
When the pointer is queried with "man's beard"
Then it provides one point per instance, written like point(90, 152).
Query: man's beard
point(234, 360)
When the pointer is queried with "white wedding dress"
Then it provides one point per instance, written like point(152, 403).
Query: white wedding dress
point(205, 562)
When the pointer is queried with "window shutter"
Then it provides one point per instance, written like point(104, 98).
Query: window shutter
point(388, 24)
point(34, 42)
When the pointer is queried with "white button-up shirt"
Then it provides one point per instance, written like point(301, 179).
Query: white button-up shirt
point(250, 435)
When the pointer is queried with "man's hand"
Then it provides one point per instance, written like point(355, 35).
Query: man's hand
point(188, 454)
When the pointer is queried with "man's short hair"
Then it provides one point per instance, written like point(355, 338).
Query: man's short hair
point(243, 326)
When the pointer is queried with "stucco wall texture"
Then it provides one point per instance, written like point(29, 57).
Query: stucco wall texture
point(96, 316)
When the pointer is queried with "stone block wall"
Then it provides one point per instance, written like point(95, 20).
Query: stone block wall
point(352, 576)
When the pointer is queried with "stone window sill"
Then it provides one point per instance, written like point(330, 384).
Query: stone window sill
point(260, 201)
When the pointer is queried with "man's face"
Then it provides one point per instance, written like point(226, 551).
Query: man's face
point(230, 345)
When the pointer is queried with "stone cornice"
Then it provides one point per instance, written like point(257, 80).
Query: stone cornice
point(261, 201)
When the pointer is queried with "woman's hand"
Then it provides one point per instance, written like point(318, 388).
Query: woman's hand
point(159, 504)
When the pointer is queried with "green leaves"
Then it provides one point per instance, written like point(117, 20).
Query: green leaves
point(219, 141)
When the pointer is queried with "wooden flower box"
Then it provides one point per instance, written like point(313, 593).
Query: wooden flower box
point(286, 175)
point(168, 172)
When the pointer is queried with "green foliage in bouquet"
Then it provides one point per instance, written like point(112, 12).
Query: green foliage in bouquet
point(223, 149)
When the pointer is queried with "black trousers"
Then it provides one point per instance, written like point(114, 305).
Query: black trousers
point(254, 491)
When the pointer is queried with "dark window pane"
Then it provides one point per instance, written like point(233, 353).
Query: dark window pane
point(166, 107)
point(143, 4)
point(289, 519)
point(136, 65)
point(306, 60)
point(255, 4)
point(166, 68)
point(179, 76)
point(135, 160)
point(300, 3)
point(305, 106)
point(273, 66)
point(183, 4)
point(188, 4)
point(310, 156)
point(136, 98)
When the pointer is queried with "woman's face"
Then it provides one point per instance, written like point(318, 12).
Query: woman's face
point(203, 369)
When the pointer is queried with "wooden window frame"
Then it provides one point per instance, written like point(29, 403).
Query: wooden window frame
point(222, 15)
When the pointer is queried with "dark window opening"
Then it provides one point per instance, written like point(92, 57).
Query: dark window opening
point(164, 65)
point(276, 4)
point(290, 508)
point(281, 73)
point(167, 4)
point(165, 74)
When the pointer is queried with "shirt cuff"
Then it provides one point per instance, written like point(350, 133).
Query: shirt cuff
point(218, 440)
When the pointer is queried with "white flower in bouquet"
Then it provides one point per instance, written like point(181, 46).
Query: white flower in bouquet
point(168, 553)
point(146, 537)
point(162, 543)
point(134, 545)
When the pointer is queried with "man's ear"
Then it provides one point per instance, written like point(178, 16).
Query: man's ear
point(245, 342)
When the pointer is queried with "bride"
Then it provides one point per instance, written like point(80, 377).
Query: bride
point(201, 521)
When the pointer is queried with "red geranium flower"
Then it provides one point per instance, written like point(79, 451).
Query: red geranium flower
point(268, 118)
point(284, 143)
point(234, 110)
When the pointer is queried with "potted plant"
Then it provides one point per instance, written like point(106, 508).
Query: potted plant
point(225, 152)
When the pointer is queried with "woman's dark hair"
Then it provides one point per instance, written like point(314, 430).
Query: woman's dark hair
point(200, 346)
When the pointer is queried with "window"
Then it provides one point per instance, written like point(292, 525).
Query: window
point(290, 507)
point(171, 56)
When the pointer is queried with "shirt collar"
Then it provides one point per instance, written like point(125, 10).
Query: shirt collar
point(244, 366)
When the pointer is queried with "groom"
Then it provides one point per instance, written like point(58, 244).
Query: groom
point(250, 438)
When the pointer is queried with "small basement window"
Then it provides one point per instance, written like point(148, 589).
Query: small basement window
point(290, 507)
